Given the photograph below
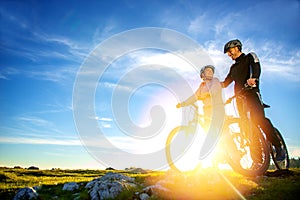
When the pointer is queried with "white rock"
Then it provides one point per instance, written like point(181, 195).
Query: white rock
point(71, 186)
point(144, 196)
point(109, 186)
point(26, 193)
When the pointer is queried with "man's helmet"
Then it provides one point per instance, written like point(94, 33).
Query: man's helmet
point(203, 68)
point(233, 43)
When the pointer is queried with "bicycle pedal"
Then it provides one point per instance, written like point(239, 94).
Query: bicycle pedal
point(256, 166)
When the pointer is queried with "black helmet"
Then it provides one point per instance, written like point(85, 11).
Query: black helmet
point(206, 66)
point(233, 43)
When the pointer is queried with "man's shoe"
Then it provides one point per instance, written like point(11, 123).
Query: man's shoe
point(280, 154)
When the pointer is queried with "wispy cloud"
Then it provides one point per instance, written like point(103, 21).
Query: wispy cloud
point(105, 122)
point(59, 75)
point(103, 32)
point(5, 73)
point(51, 141)
point(40, 46)
point(105, 119)
point(33, 127)
point(34, 120)
point(70, 50)
point(33, 130)
point(274, 61)
point(213, 31)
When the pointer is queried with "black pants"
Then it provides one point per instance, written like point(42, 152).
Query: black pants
point(257, 114)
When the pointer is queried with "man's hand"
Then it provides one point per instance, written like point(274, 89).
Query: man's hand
point(251, 82)
point(222, 84)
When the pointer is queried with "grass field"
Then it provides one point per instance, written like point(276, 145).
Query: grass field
point(204, 184)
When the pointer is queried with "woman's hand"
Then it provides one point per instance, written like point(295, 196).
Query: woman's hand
point(179, 105)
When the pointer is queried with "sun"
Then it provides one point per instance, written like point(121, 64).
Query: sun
point(185, 147)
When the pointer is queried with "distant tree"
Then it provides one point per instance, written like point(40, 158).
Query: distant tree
point(295, 163)
point(109, 168)
point(33, 168)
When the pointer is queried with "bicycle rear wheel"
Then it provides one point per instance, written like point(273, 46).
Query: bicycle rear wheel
point(284, 163)
point(244, 155)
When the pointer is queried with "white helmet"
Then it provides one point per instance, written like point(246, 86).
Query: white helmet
point(205, 67)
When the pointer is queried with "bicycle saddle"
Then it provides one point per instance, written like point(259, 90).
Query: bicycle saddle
point(266, 106)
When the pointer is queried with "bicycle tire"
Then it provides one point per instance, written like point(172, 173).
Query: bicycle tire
point(284, 164)
point(240, 158)
point(171, 161)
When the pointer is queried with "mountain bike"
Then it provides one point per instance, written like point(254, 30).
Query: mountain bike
point(245, 146)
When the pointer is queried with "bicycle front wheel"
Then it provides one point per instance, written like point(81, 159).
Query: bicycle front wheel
point(178, 143)
point(247, 156)
point(283, 163)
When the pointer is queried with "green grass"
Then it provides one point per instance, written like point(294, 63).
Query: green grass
point(52, 181)
point(281, 187)
point(204, 184)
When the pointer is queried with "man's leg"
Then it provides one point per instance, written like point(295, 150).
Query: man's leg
point(255, 146)
point(258, 117)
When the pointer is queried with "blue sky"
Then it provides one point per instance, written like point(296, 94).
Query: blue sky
point(44, 46)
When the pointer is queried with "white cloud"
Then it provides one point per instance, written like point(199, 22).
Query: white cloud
point(274, 62)
point(34, 120)
point(5, 73)
point(261, 32)
point(294, 151)
point(106, 125)
point(47, 73)
point(51, 141)
point(58, 75)
point(105, 119)
point(101, 33)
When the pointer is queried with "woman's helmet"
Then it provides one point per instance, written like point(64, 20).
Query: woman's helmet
point(233, 43)
point(205, 67)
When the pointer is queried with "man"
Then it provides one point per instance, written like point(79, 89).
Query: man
point(245, 72)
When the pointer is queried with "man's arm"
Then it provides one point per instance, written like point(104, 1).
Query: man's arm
point(255, 69)
point(227, 81)
point(254, 61)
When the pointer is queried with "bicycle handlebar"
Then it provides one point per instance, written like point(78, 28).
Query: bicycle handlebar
point(195, 106)
point(240, 93)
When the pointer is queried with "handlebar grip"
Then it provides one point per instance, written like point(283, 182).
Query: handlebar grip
point(228, 101)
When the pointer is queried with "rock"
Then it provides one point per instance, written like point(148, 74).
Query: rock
point(109, 186)
point(155, 189)
point(36, 188)
point(137, 170)
point(26, 194)
point(144, 196)
point(71, 186)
